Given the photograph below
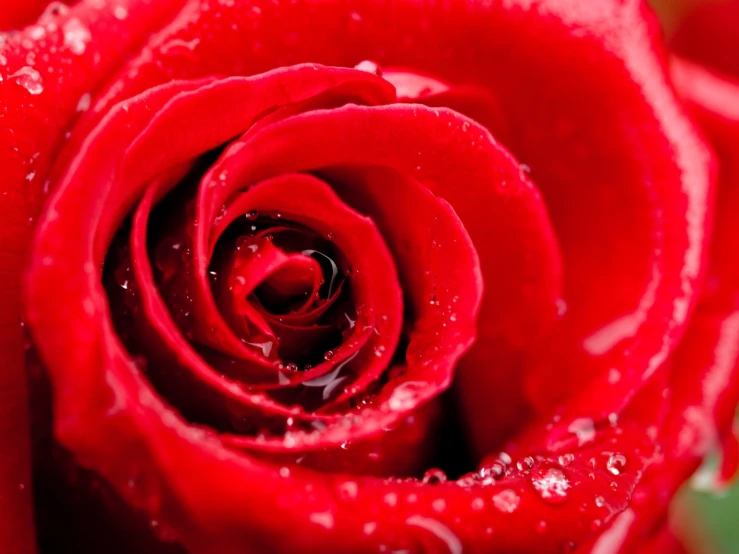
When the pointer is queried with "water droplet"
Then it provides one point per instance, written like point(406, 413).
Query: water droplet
point(323, 519)
point(54, 9)
point(525, 464)
point(492, 473)
point(348, 490)
point(76, 36)
point(328, 355)
point(541, 527)
point(468, 480)
point(391, 499)
point(284, 472)
point(566, 459)
point(404, 396)
point(434, 477)
point(584, 429)
point(29, 79)
point(616, 464)
point(291, 367)
point(507, 501)
point(551, 484)
point(120, 13)
point(478, 504)
point(439, 505)
point(600, 501)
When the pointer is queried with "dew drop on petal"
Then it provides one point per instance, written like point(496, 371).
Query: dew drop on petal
point(525, 464)
point(323, 519)
point(468, 479)
point(616, 464)
point(439, 505)
point(492, 473)
point(551, 484)
point(507, 501)
point(434, 477)
point(76, 36)
point(404, 397)
point(566, 459)
point(120, 13)
point(55, 9)
point(348, 490)
point(29, 79)
point(369, 67)
point(583, 429)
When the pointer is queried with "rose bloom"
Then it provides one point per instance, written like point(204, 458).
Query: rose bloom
point(368, 276)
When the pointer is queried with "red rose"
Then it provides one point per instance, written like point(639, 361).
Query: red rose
point(252, 278)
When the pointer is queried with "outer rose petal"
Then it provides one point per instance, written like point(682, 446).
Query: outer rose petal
point(32, 126)
point(704, 370)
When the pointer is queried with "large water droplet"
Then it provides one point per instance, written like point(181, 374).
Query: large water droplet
point(551, 484)
point(29, 79)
